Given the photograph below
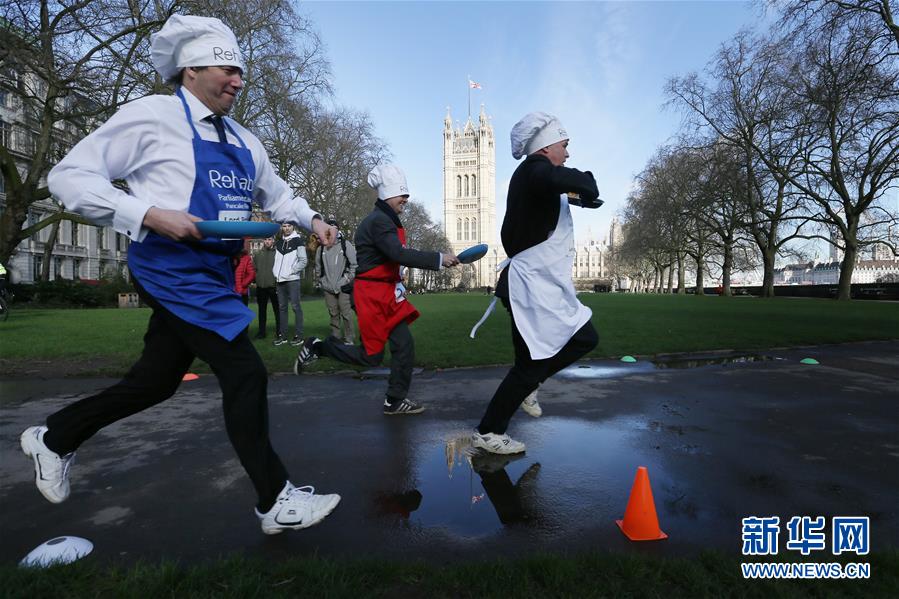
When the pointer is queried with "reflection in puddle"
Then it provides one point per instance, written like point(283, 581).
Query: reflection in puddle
point(605, 370)
point(380, 373)
point(608, 370)
point(398, 504)
point(711, 361)
point(573, 471)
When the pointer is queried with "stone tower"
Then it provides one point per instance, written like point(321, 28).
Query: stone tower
point(469, 192)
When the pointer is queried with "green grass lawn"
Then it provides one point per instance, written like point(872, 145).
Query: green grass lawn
point(594, 575)
point(107, 341)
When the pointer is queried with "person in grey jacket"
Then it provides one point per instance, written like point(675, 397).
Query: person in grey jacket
point(266, 286)
point(384, 312)
point(335, 268)
point(290, 260)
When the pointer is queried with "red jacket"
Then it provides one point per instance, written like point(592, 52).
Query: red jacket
point(244, 274)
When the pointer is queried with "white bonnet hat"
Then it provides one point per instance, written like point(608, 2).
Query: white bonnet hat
point(389, 180)
point(535, 131)
point(189, 41)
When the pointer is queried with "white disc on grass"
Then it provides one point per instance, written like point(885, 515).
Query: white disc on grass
point(61, 550)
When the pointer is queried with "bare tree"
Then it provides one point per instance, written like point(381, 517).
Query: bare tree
point(812, 14)
point(742, 103)
point(69, 65)
point(845, 119)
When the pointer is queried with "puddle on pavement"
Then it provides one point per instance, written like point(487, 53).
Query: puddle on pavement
point(712, 361)
point(381, 373)
point(574, 472)
point(604, 370)
point(608, 370)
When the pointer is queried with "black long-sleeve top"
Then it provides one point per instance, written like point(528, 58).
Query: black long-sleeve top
point(377, 242)
point(532, 204)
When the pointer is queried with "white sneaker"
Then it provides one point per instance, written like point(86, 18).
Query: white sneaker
point(531, 406)
point(295, 508)
point(502, 444)
point(51, 472)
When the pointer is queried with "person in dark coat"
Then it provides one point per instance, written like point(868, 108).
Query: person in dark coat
point(383, 311)
point(266, 285)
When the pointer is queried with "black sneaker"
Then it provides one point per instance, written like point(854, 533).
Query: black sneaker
point(406, 406)
point(279, 340)
point(306, 355)
point(260, 335)
point(296, 341)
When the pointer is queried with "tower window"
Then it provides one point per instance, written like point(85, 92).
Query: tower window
point(458, 186)
point(466, 229)
point(474, 185)
point(459, 229)
point(466, 186)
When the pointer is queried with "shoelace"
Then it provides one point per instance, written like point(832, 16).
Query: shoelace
point(302, 492)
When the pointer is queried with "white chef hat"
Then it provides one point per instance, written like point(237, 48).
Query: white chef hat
point(389, 180)
point(189, 41)
point(535, 131)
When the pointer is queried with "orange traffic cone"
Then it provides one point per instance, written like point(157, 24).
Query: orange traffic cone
point(190, 377)
point(640, 520)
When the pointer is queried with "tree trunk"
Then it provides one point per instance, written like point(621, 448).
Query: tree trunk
point(846, 269)
point(670, 278)
point(699, 280)
point(727, 267)
point(768, 255)
point(48, 252)
point(681, 274)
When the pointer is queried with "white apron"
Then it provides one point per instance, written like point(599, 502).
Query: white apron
point(544, 304)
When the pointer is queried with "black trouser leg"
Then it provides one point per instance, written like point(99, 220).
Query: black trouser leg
point(169, 347)
point(153, 379)
point(262, 308)
point(349, 354)
point(527, 374)
point(402, 357)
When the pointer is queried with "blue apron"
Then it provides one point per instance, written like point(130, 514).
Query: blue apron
point(194, 280)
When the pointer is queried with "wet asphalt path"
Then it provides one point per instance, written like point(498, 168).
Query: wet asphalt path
point(721, 442)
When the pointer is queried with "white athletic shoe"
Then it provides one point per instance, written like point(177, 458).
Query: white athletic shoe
point(51, 471)
point(295, 508)
point(493, 443)
point(531, 406)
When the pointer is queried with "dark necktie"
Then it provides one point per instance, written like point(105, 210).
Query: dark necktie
point(219, 127)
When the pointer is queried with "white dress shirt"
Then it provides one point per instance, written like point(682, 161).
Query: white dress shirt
point(148, 143)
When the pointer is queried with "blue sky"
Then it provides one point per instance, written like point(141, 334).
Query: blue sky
point(599, 66)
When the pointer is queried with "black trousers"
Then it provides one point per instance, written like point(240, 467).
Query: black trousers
point(170, 346)
point(263, 295)
point(402, 356)
point(527, 374)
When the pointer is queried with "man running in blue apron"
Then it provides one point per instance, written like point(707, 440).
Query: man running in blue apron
point(183, 162)
point(550, 327)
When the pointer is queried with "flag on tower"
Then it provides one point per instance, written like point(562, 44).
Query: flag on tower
point(473, 85)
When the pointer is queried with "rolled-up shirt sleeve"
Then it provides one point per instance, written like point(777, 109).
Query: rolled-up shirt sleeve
point(275, 196)
point(82, 180)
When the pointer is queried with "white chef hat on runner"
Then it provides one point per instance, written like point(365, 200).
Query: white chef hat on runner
point(535, 131)
point(389, 180)
point(189, 41)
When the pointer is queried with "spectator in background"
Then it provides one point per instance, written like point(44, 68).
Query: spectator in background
point(335, 268)
point(290, 260)
point(264, 263)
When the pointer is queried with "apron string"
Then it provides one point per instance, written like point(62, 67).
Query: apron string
point(484, 317)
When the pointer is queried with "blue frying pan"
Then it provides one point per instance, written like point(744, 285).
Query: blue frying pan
point(475, 252)
point(236, 228)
